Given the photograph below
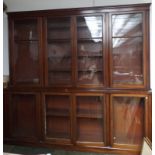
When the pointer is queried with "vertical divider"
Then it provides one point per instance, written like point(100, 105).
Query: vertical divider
point(107, 121)
point(43, 116)
point(110, 110)
point(110, 43)
point(41, 47)
point(45, 54)
point(107, 44)
point(74, 50)
point(73, 120)
point(105, 50)
point(146, 115)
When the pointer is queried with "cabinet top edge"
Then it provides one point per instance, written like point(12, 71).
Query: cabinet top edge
point(82, 10)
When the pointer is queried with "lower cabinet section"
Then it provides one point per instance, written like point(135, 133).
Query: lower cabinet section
point(24, 116)
point(57, 116)
point(89, 115)
point(128, 115)
point(112, 123)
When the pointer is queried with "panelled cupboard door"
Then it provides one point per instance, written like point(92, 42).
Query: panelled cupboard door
point(58, 51)
point(25, 47)
point(90, 119)
point(128, 120)
point(57, 116)
point(128, 49)
point(90, 51)
point(24, 116)
point(5, 114)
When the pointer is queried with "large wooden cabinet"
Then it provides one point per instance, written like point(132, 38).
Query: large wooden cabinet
point(79, 79)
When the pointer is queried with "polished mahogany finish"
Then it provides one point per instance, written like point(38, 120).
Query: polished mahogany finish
point(80, 79)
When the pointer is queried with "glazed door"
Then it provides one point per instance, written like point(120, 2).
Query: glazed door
point(24, 116)
point(26, 52)
point(128, 50)
point(128, 120)
point(57, 109)
point(90, 119)
point(90, 50)
point(58, 51)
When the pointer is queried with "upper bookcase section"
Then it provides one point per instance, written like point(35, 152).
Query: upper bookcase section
point(97, 47)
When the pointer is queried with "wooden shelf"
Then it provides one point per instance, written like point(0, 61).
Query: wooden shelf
point(59, 40)
point(25, 40)
point(90, 39)
point(126, 36)
point(82, 115)
point(60, 70)
point(56, 114)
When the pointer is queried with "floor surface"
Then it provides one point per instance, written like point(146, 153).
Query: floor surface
point(35, 151)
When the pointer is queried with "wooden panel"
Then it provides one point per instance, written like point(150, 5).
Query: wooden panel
point(24, 115)
point(6, 126)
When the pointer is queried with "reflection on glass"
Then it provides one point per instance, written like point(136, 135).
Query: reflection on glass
point(26, 30)
point(127, 54)
point(58, 28)
point(128, 61)
point(127, 25)
point(90, 48)
point(128, 120)
point(90, 106)
point(59, 50)
point(57, 105)
point(90, 118)
point(89, 27)
point(26, 55)
point(90, 63)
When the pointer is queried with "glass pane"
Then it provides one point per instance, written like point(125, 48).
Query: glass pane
point(58, 28)
point(59, 51)
point(127, 25)
point(90, 130)
point(89, 27)
point(128, 60)
point(90, 50)
point(26, 58)
point(90, 118)
point(90, 106)
point(128, 120)
point(57, 116)
point(26, 30)
point(57, 127)
point(57, 105)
